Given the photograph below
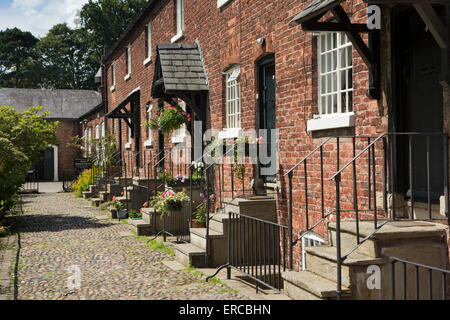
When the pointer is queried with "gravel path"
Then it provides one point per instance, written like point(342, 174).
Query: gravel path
point(59, 231)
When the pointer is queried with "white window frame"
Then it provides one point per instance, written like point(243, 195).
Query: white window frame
point(128, 144)
point(340, 49)
point(333, 49)
point(310, 237)
point(89, 140)
point(233, 98)
point(103, 129)
point(180, 134)
point(113, 74)
point(149, 141)
point(180, 21)
point(128, 75)
point(221, 3)
point(149, 43)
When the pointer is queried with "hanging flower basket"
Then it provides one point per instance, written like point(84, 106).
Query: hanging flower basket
point(169, 120)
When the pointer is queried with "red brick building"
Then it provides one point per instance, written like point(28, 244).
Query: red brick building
point(65, 106)
point(319, 73)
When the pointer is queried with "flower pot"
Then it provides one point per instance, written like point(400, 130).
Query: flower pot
point(196, 224)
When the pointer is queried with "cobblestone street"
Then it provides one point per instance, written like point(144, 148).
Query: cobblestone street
point(58, 231)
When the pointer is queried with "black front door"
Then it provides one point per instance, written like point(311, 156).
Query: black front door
point(418, 104)
point(45, 168)
point(266, 75)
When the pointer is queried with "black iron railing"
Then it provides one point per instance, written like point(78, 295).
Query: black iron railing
point(422, 281)
point(31, 184)
point(257, 248)
point(373, 206)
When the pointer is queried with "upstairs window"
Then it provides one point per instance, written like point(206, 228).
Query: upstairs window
point(335, 73)
point(233, 98)
point(148, 43)
point(180, 20)
point(150, 130)
point(113, 76)
point(103, 129)
point(128, 62)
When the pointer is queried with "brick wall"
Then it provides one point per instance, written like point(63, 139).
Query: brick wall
point(228, 36)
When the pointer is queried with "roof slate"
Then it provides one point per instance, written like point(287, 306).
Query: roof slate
point(182, 67)
point(62, 104)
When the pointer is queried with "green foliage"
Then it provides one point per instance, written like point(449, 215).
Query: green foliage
point(168, 201)
point(169, 120)
point(200, 214)
point(18, 66)
point(67, 59)
point(133, 214)
point(23, 137)
point(82, 182)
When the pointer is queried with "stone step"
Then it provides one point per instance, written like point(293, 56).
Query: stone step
point(306, 285)
point(198, 236)
point(104, 196)
point(147, 214)
point(141, 227)
point(391, 233)
point(87, 194)
point(322, 261)
point(189, 255)
point(96, 202)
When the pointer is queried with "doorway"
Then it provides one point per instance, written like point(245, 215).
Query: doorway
point(418, 104)
point(267, 106)
point(45, 168)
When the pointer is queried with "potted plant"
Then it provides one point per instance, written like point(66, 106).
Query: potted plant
point(115, 206)
point(169, 120)
point(169, 201)
point(199, 216)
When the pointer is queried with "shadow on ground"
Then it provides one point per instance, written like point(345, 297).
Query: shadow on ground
point(56, 222)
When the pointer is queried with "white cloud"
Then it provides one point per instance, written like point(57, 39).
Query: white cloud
point(38, 16)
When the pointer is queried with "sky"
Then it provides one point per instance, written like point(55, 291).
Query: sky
point(38, 16)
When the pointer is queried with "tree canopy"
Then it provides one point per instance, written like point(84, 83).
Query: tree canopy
point(65, 58)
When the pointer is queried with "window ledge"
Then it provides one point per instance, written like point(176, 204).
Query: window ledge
point(229, 133)
point(148, 143)
point(221, 3)
point(128, 145)
point(177, 37)
point(112, 89)
point(332, 121)
point(147, 61)
point(128, 76)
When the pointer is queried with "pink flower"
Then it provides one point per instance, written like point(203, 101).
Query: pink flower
point(171, 108)
point(145, 205)
point(121, 193)
point(114, 199)
point(231, 141)
point(166, 172)
point(260, 139)
point(151, 119)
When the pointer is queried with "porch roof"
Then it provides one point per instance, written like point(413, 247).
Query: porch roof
point(179, 68)
point(120, 110)
point(314, 9)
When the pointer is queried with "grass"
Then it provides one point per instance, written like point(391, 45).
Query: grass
point(214, 280)
point(155, 244)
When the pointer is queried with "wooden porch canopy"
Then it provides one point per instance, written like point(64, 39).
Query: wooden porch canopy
point(309, 20)
point(131, 117)
point(180, 73)
point(439, 31)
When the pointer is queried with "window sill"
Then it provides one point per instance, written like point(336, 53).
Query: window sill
point(221, 3)
point(331, 121)
point(178, 139)
point(128, 76)
point(128, 145)
point(148, 143)
point(229, 133)
point(112, 89)
point(147, 61)
point(177, 37)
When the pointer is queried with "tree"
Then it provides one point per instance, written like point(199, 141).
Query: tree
point(104, 21)
point(17, 59)
point(65, 58)
point(23, 137)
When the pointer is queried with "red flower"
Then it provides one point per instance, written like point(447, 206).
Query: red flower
point(114, 199)
point(122, 193)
